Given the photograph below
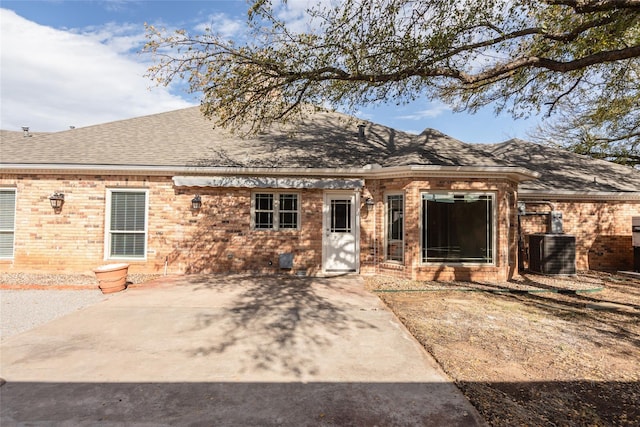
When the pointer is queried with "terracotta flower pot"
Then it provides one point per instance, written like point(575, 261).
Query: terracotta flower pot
point(112, 277)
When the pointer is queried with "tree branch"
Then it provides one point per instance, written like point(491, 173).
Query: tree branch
point(553, 65)
point(588, 6)
point(562, 95)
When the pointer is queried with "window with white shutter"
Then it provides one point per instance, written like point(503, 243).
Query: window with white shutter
point(127, 224)
point(7, 222)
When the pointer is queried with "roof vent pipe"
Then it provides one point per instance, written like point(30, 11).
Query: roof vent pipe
point(25, 130)
point(361, 130)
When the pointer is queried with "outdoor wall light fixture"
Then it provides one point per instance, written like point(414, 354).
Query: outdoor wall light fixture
point(196, 202)
point(56, 200)
point(369, 203)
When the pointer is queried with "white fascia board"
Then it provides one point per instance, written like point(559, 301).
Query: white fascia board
point(173, 170)
point(533, 195)
point(517, 174)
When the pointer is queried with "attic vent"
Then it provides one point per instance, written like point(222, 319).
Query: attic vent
point(361, 130)
point(25, 130)
point(553, 254)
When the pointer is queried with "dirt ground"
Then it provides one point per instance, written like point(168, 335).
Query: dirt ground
point(540, 351)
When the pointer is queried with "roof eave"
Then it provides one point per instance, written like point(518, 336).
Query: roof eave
point(529, 195)
point(517, 174)
point(172, 170)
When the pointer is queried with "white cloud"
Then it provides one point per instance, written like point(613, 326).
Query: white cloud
point(52, 79)
point(121, 38)
point(222, 25)
point(434, 110)
point(295, 13)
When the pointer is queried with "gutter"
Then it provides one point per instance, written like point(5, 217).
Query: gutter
point(172, 170)
point(517, 174)
point(536, 195)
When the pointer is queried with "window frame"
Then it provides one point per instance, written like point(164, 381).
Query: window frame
point(108, 232)
point(11, 231)
point(387, 226)
point(276, 211)
point(494, 230)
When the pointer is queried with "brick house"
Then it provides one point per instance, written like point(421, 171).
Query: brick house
point(168, 192)
point(597, 200)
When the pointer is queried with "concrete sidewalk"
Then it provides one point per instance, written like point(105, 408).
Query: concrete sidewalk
point(228, 350)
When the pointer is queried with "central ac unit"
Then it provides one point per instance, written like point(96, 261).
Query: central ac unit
point(552, 254)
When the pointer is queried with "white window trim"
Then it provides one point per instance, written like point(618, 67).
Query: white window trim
point(386, 226)
point(13, 229)
point(276, 210)
point(494, 237)
point(107, 226)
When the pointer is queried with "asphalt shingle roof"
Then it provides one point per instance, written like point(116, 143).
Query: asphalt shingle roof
point(12, 136)
point(325, 140)
point(185, 138)
point(562, 170)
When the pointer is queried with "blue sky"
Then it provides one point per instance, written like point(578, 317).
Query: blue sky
point(76, 63)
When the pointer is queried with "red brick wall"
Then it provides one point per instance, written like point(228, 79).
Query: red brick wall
point(216, 239)
point(219, 237)
point(372, 254)
point(602, 230)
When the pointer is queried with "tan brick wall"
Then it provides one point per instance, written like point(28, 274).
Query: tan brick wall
point(216, 239)
point(373, 251)
point(602, 230)
point(219, 237)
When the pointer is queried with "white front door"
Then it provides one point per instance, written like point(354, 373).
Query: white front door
point(339, 241)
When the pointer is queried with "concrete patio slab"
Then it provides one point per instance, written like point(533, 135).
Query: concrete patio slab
point(228, 350)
